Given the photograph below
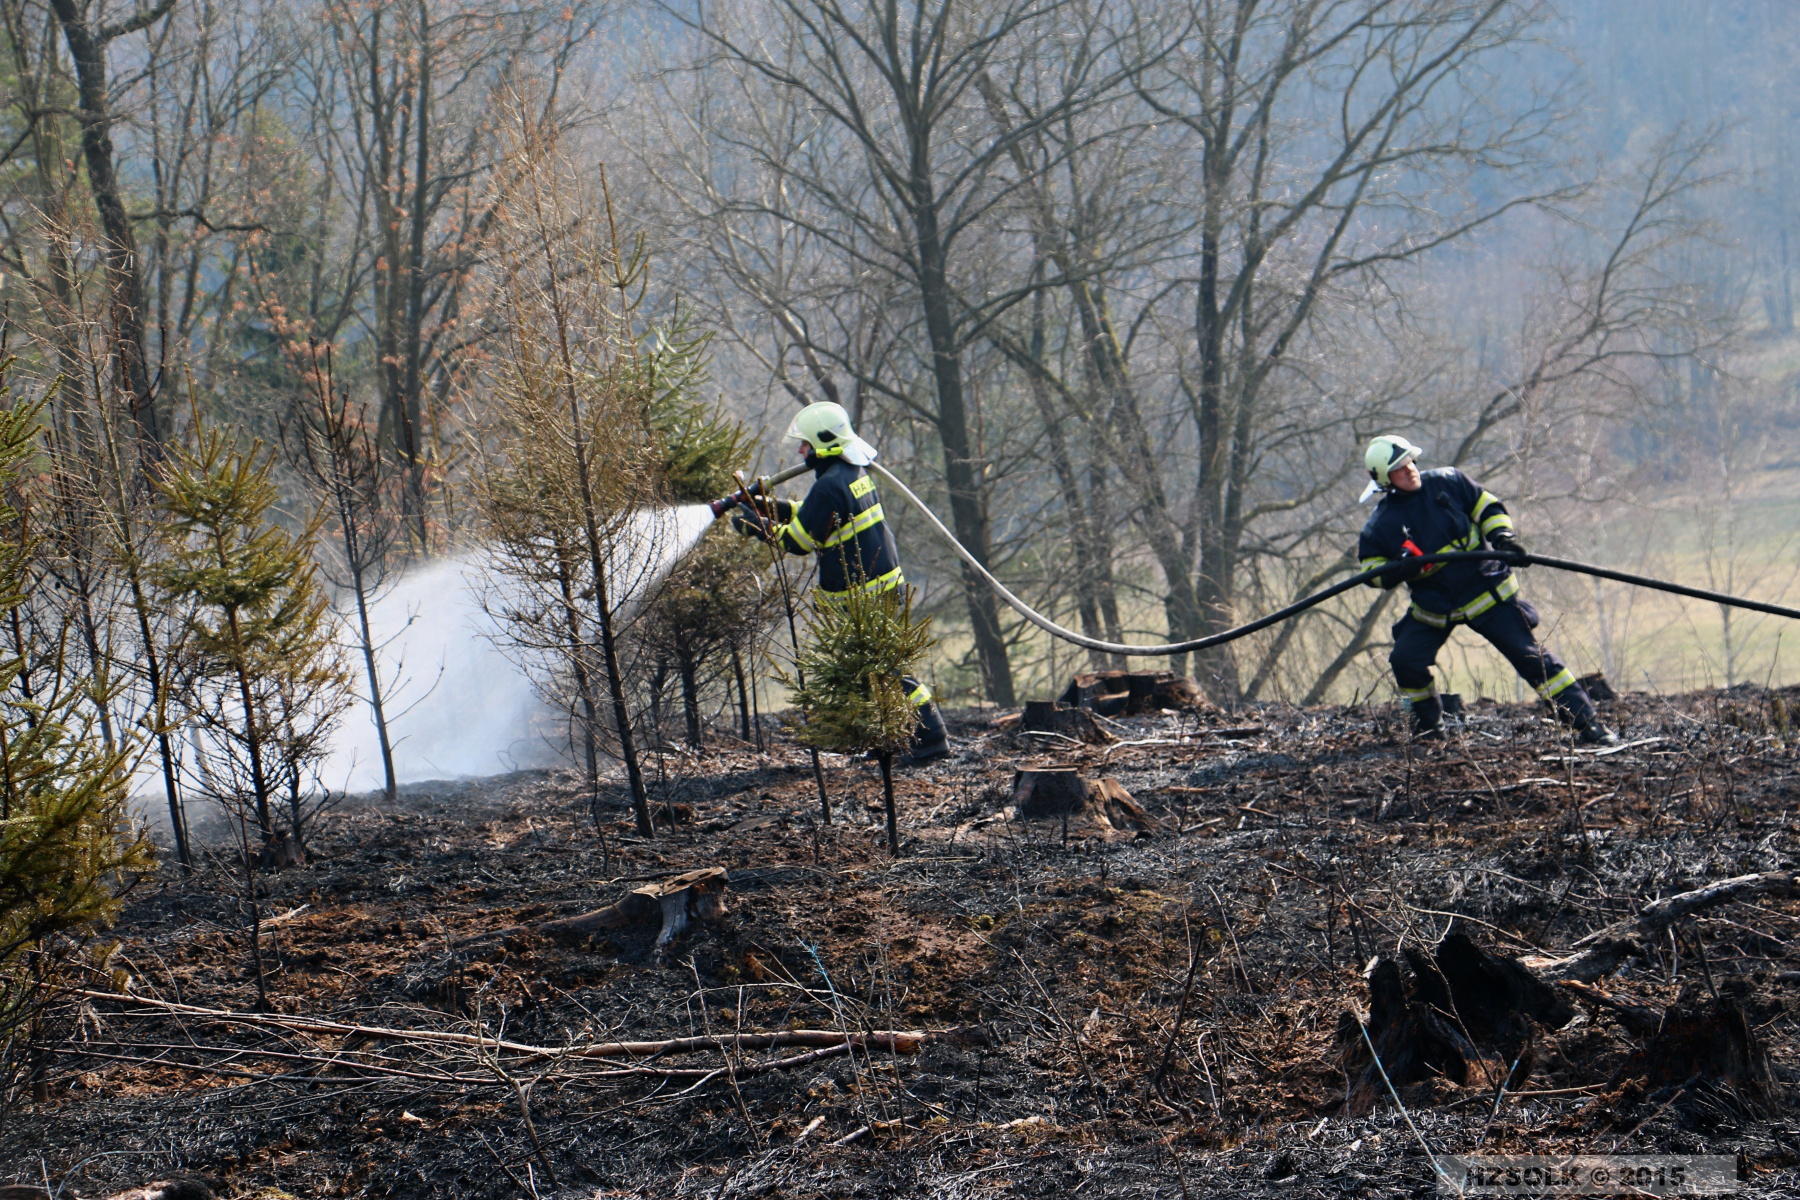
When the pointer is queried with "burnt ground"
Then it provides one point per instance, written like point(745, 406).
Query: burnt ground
point(1153, 1015)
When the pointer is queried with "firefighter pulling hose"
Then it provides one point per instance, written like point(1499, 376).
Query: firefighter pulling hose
point(1452, 510)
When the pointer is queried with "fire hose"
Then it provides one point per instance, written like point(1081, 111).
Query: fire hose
point(761, 488)
point(1299, 606)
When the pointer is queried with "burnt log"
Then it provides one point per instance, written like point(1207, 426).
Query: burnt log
point(1601, 952)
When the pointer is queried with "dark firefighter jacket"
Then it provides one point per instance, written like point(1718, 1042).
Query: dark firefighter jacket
point(1449, 512)
point(841, 521)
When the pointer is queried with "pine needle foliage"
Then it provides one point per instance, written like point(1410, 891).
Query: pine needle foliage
point(858, 646)
point(267, 677)
point(711, 603)
point(66, 847)
point(701, 446)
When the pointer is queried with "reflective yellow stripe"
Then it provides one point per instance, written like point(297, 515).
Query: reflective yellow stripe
point(881, 583)
point(1557, 684)
point(797, 531)
point(1418, 694)
point(920, 696)
point(1497, 521)
point(1369, 564)
point(866, 519)
point(1506, 589)
point(1482, 502)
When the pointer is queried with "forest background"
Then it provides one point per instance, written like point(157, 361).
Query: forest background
point(1120, 288)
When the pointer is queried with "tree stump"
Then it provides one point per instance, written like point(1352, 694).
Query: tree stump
point(1709, 1038)
point(1047, 716)
point(676, 901)
point(1460, 1013)
point(1132, 693)
point(1060, 793)
point(1055, 792)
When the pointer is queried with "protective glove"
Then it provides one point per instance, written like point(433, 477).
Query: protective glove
point(749, 524)
point(1506, 543)
point(753, 518)
point(1395, 576)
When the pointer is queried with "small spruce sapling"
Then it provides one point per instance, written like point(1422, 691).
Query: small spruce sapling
point(266, 677)
point(858, 647)
point(67, 847)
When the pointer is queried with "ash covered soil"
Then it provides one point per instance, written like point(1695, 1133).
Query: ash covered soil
point(1165, 1013)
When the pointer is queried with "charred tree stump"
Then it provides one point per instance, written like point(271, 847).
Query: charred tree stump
point(676, 902)
point(1046, 716)
point(1708, 1039)
point(1060, 793)
point(1132, 693)
point(1461, 1013)
point(1056, 792)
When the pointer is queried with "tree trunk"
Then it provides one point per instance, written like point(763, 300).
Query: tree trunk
point(584, 684)
point(968, 509)
point(87, 49)
point(690, 697)
point(743, 695)
point(886, 758)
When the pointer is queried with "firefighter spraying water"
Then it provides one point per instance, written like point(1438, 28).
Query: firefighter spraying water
point(842, 524)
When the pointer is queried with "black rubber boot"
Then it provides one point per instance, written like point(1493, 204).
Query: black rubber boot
point(930, 740)
point(1427, 719)
point(1593, 733)
point(1578, 710)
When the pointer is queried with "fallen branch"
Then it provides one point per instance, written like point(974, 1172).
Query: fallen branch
point(893, 1041)
point(1607, 948)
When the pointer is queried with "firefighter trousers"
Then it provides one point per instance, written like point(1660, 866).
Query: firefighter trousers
point(1508, 626)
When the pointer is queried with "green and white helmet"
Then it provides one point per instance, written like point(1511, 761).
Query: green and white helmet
point(1386, 454)
point(826, 428)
